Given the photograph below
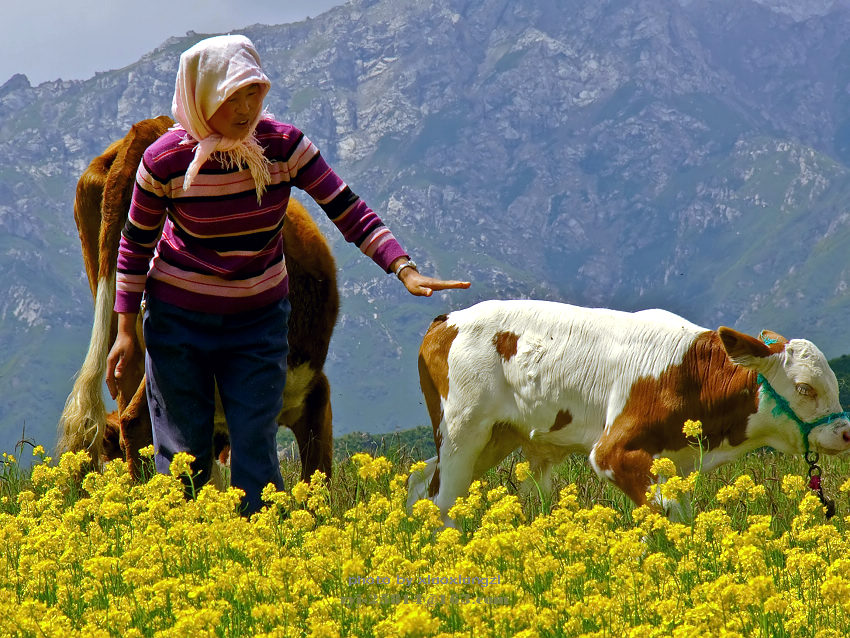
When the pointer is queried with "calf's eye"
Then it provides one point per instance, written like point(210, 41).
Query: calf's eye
point(805, 390)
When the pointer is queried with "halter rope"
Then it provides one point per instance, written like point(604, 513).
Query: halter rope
point(781, 406)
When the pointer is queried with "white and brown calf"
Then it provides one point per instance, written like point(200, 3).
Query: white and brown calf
point(557, 379)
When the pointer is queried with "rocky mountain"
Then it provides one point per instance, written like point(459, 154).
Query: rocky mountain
point(692, 155)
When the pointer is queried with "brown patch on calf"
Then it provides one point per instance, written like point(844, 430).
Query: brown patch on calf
point(706, 386)
point(434, 379)
point(562, 420)
point(434, 361)
point(506, 344)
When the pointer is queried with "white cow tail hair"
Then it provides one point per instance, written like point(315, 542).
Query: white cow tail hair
point(83, 420)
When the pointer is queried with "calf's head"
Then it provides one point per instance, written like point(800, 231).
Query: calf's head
point(798, 391)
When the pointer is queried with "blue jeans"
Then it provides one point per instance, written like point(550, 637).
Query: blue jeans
point(245, 354)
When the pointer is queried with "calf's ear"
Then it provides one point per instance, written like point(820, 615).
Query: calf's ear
point(742, 348)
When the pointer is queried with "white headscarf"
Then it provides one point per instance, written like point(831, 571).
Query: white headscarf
point(209, 73)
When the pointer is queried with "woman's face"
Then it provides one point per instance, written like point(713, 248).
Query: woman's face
point(233, 119)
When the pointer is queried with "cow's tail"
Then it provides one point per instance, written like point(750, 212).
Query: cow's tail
point(83, 420)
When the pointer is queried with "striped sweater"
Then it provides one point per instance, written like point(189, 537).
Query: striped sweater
point(214, 248)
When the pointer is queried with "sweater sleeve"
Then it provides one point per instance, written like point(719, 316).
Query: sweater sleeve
point(139, 238)
point(358, 223)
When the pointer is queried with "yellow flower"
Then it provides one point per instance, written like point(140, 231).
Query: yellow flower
point(523, 471)
point(381, 466)
point(363, 462)
point(84, 544)
point(793, 485)
point(353, 567)
point(658, 565)
point(71, 463)
point(318, 480)
point(427, 513)
point(728, 493)
point(835, 590)
point(692, 429)
point(568, 498)
point(147, 451)
point(323, 629)
point(449, 537)
point(461, 510)
point(302, 520)
point(181, 465)
point(43, 476)
point(409, 621)
point(271, 495)
point(369, 468)
point(777, 603)
point(751, 562)
point(663, 467)
point(417, 467)
point(300, 492)
point(497, 494)
point(840, 567)
point(674, 487)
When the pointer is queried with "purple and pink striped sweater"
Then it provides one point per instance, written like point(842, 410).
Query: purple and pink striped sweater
point(215, 249)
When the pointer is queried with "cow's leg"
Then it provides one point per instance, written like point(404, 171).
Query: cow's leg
point(503, 440)
point(112, 444)
point(627, 466)
point(217, 479)
point(542, 457)
point(314, 430)
point(541, 471)
point(459, 461)
point(134, 418)
point(418, 482)
point(136, 432)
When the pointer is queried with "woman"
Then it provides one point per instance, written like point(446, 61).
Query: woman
point(203, 243)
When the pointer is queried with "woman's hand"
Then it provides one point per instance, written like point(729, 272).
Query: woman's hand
point(422, 285)
point(122, 351)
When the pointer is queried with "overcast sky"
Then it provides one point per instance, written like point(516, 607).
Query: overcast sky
point(71, 39)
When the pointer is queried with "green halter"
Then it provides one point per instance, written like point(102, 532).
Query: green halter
point(783, 407)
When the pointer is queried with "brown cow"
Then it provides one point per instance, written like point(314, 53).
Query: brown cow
point(100, 210)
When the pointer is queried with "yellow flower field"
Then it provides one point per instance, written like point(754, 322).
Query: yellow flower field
point(97, 555)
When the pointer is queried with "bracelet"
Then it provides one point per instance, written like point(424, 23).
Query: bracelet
point(408, 264)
